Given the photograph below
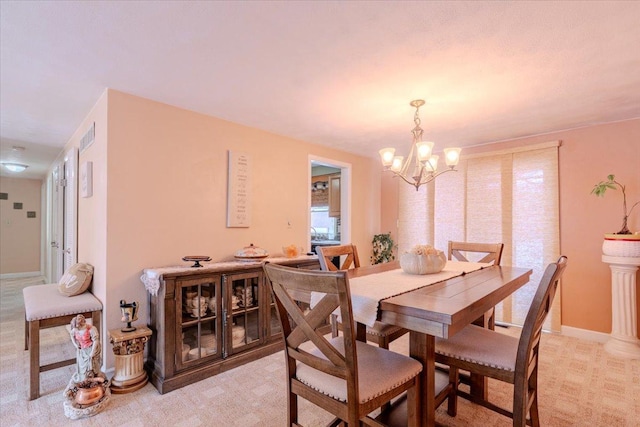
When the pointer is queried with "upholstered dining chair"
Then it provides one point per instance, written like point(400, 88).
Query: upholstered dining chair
point(502, 357)
point(346, 377)
point(482, 252)
point(380, 333)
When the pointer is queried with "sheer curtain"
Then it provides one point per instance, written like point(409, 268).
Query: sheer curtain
point(509, 197)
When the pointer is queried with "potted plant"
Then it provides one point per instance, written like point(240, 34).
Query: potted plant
point(382, 248)
point(600, 189)
point(623, 243)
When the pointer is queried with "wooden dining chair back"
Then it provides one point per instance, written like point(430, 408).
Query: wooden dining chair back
point(348, 378)
point(503, 357)
point(326, 254)
point(380, 333)
point(478, 252)
point(483, 252)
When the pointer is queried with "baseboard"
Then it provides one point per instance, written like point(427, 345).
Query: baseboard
point(20, 275)
point(584, 334)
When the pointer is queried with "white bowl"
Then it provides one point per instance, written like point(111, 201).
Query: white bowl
point(193, 353)
point(422, 264)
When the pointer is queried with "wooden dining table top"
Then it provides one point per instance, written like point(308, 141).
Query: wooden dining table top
point(440, 310)
point(445, 307)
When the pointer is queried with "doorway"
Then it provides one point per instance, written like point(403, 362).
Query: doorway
point(329, 204)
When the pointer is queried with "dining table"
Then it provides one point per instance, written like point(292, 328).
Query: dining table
point(439, 309)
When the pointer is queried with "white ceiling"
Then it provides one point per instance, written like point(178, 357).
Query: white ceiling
point(334, 73)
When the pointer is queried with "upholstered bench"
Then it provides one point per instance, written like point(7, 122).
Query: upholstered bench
point(45, 307)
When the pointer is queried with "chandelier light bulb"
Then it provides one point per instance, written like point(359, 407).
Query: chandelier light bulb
point(424, 150)
point(433, 163)
point(386, 155)
point(451, 156)
point(397, 163)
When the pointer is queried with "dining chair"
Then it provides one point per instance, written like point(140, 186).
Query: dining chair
point(482, 252)
point(346, 377)
point(502, 357)
point(380, 333)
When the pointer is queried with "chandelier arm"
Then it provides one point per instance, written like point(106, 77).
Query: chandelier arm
point(433, 176)
point(414, 183)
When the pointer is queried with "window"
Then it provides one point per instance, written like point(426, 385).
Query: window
point(324, 225)
point(508, 197)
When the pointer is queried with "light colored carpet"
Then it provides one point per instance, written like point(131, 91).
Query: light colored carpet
point(580, 385)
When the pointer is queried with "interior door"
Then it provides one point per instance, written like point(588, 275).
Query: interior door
point(56, 216)
point(63, 215)
point(70, 210)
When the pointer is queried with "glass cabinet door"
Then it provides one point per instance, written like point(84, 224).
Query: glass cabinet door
point(274, 327)
point(199, 329)
point(243, 322)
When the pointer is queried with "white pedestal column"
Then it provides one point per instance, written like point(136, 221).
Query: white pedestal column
point(128, 348)
point(624, 340)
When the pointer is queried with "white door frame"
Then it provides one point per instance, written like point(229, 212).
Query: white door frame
point(70, 248)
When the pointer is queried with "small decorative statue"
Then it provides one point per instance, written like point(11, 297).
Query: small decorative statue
point(88, 390)
point(88, 349)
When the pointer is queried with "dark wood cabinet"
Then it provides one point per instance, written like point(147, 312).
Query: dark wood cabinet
point(211, 319)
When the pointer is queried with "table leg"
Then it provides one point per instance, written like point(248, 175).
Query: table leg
point(422, 347)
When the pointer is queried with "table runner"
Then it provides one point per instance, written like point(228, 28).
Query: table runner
point(368, 291)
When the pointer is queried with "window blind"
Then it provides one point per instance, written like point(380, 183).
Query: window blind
point(508, 197)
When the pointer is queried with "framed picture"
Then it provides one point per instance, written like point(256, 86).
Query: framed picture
point(86, 179)
point(239, 190)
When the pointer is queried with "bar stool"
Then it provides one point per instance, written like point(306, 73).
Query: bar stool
point(45, 308)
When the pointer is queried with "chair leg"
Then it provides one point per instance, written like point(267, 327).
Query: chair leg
point(34, 359)
point(383, 342)
point(412, 406)
point(533, 412)
point(26, 334)
point(452, 400)
point(491, 324)
point(95, 319)
point(334, 326)
point(293, 409)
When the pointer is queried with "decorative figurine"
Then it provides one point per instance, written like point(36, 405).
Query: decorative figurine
point(129, 314)
point(88, 390)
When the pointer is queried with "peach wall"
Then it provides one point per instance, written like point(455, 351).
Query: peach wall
point(586, 157)
point(92, 211)
point(21, 241)
point(389, 206)
point(160, 179)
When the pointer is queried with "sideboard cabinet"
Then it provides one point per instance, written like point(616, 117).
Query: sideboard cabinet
point(211, 319)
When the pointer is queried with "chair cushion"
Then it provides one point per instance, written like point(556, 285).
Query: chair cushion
point(481, 346)
point(379, 371)
point(382, 329)
point(44, 302)
point(76, 279)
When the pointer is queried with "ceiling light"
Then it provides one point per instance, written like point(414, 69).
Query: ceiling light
point(421, 166)
point(15, 167)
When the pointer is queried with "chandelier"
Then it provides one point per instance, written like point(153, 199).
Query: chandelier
point(420, 166)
